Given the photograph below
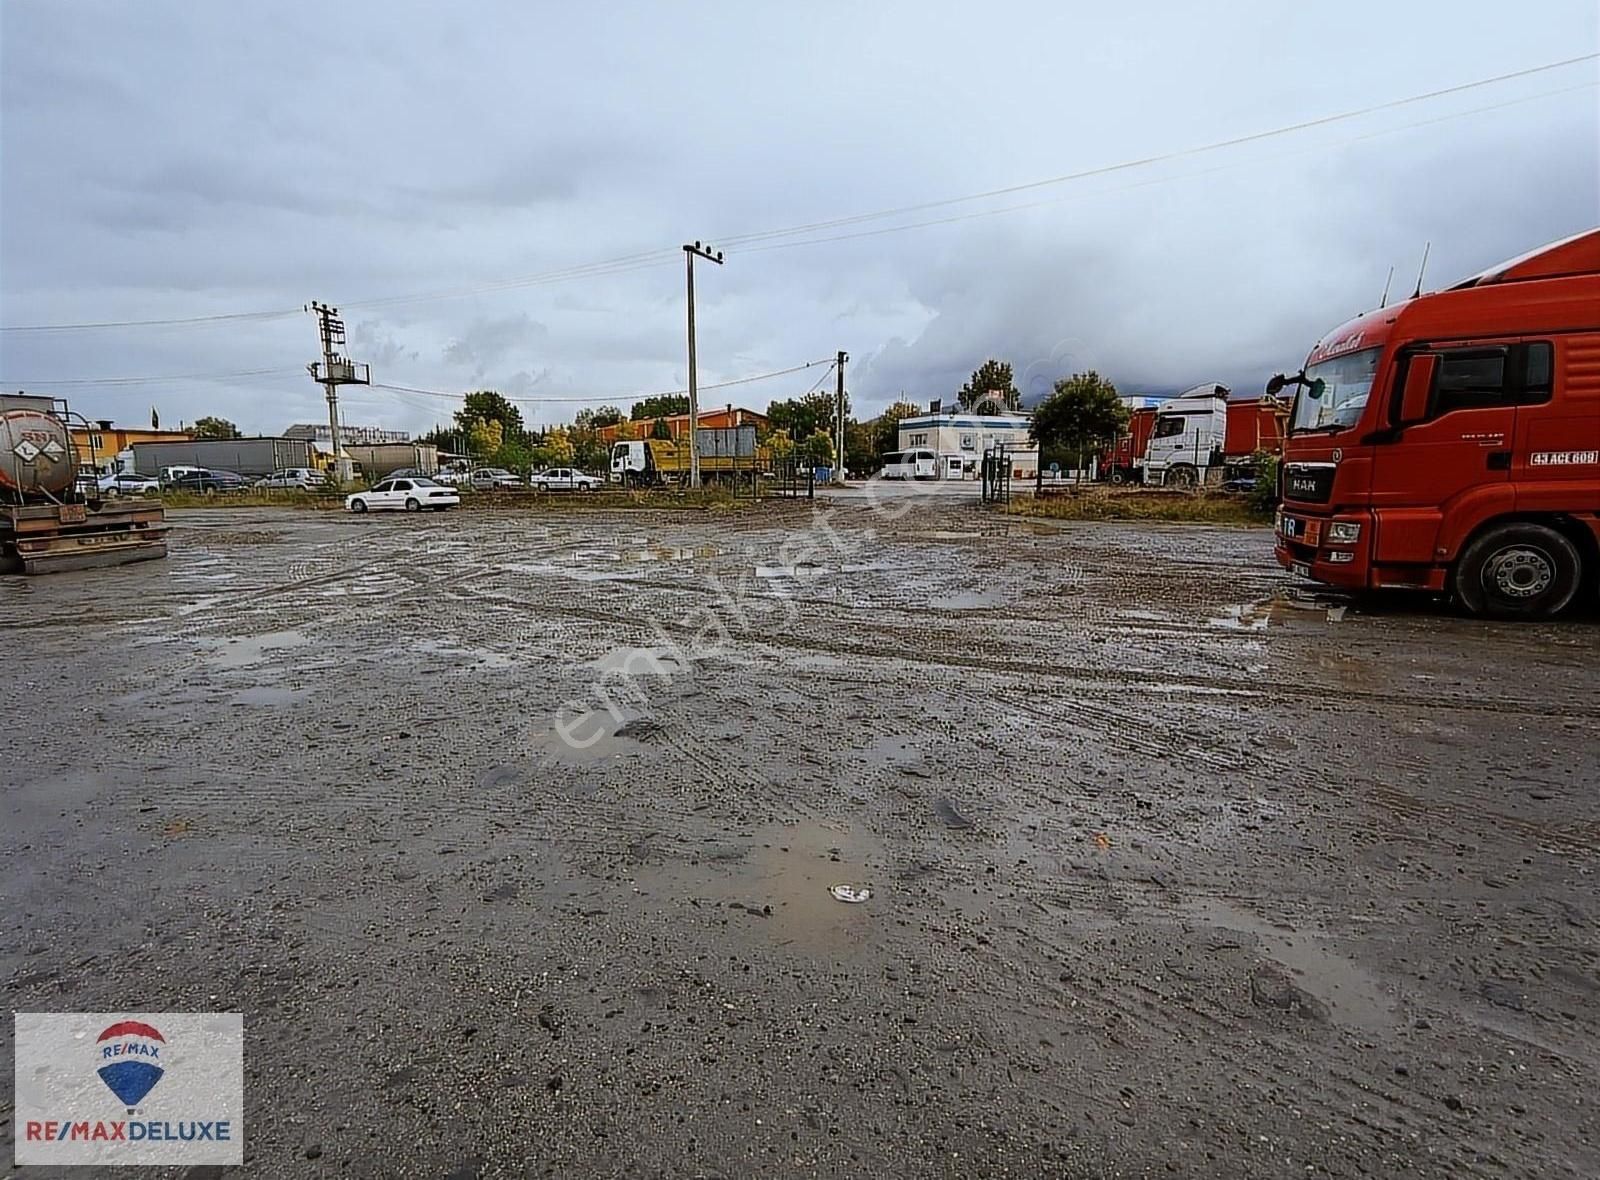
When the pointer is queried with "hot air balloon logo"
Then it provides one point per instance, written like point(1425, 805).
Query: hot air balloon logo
point(130, 1059)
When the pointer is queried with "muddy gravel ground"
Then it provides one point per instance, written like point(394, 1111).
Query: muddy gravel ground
point(513, 834)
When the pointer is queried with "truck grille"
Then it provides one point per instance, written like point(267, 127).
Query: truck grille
point(1310, 483)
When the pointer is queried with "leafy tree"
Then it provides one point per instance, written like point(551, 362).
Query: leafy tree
point(804, 416)
point(588, 448)
point(1083, 410)
point(660, 429)
point(660, 406)
point(861, 446)
point(991, 385)
point(558, 446)
point(606, 415)
point(888, 426)
point(485, 436)
point(485, 405)
point(214, 428)
point(818, 450)
point(626, 430)
point(780, 444)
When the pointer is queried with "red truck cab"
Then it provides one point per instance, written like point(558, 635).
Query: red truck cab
point(1452, 442)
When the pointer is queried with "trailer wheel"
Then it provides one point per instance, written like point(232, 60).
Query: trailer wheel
point(1183, 476)
point(1518, 570)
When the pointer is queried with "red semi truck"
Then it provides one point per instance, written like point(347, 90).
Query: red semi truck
point(1452, 442)
point(1193, 437)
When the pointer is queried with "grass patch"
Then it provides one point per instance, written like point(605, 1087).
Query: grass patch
point(1158, 504)
point(251, 498)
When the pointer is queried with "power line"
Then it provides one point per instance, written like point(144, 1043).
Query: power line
point(610, 397)
point(979, 213)
point(117, 381)
point(651, 259)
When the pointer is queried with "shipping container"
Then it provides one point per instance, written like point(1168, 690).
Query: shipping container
point(252, 457)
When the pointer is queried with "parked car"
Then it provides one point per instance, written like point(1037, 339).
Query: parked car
point(128, 483)
point(563, 479)
point(1240, 483)
point(291, 477)
point(208, 480)
point(169, 475)
point(490, 479)
point(413, 495)
point(413, 473)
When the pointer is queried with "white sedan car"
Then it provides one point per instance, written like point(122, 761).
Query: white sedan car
point(563, 479)
point(129, 483)
point(413, 495)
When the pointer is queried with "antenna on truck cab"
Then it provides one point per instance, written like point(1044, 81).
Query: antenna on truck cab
point(1383, 300)
point(1421, 270)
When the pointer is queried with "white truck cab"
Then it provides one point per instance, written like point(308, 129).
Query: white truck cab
point(1186, 442)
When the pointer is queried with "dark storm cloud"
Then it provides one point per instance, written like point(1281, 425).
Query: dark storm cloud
point(170, 159)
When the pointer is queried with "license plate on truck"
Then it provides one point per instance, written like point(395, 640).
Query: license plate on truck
point(1300, 569)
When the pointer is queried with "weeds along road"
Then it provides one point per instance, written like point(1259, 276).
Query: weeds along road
point(1173, 870)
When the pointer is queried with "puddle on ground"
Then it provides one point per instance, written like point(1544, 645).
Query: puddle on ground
point(455, 653)
point(249, 650)
point(269, 695)
point(968, 600)
point(1353, 997)
point(776, 882)
point(1244, 616)
point(643, 661)
point(803, 569)
point(670, 553)
point(589, 735)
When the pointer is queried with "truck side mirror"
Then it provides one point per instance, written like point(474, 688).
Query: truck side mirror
point(1418, 391)
point(1275, 384)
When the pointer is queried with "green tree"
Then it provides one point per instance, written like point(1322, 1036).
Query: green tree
point(992, 387)
point(860, 446)
point(804, 416)
point(887, 427)
point(660, 429)
point(605, 416)
point(485, 405)
point(214, 428)
point(818, 450)
point(660, 406)
point(588, 448)
point(1084, 410)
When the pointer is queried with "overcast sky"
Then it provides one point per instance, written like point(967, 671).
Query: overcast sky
point(176, 159)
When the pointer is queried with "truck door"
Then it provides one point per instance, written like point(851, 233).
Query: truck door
point(1557, 455)
point(1462, 447)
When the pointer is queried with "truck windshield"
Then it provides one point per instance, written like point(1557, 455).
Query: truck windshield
point(1336, 391)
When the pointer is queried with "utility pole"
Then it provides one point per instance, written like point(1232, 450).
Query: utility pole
point(331, 372)
point(838, 453)
point(690, 253)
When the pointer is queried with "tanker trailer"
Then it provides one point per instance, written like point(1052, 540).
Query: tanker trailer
point(51, 519)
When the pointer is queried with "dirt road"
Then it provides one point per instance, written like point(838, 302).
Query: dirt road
point(1171, 870)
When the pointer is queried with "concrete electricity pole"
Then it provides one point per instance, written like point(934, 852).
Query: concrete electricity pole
point(333, 371)
point(690, 252)
point(838, 454)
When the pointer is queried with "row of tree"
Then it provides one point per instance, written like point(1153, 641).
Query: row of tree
point(1082, 411)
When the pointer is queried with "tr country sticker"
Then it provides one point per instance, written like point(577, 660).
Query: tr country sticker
point(129, 1053)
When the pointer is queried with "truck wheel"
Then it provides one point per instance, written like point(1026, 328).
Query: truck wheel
point(1118, 476)
point(1183, 476)
point(1518, 571)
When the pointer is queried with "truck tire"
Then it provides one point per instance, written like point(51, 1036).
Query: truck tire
point(1518, 570)
point(1183, 476)
point(1118, 476)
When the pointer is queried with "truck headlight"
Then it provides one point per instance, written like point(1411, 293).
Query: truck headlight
point(1344, 532)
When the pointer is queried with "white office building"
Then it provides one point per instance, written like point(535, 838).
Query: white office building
point(960, 438)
